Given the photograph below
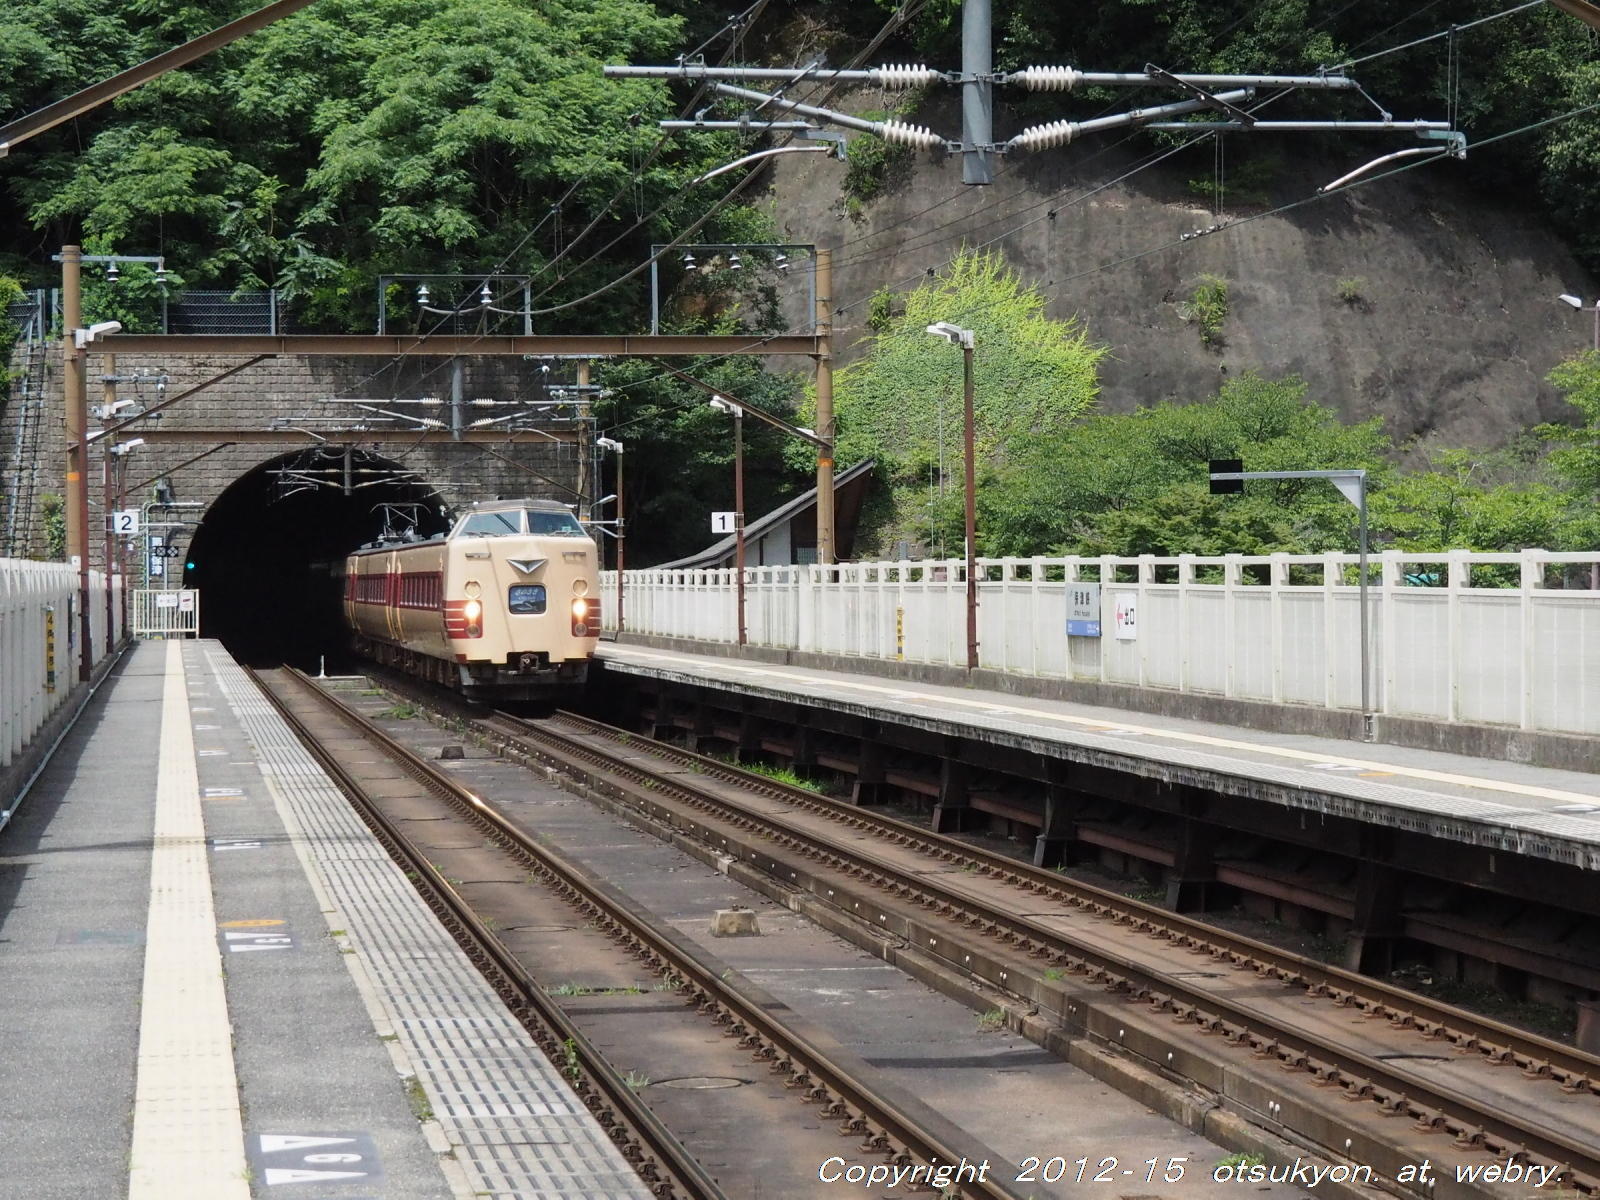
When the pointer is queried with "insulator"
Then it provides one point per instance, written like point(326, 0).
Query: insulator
point(902, 134)
point(903, 75)
point(1047, 79)
point(1042, 137)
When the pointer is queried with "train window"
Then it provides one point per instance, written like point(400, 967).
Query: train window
point(526, 599)
point(492, 524)
point(556, 524)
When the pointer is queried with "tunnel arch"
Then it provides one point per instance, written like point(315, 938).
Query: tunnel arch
point(267, 553)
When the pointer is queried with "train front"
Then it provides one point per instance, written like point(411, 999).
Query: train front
point(521, 603)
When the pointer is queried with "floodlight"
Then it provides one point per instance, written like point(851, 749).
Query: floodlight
point(82, 337)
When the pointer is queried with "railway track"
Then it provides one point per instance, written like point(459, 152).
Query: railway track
point(815, 1072)
point(1486, 1087)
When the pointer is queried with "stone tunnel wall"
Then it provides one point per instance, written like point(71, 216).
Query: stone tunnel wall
point(286, 387)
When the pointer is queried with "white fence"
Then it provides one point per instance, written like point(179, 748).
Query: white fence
point(1501, 639)
point(173, 612)
point(39, 646)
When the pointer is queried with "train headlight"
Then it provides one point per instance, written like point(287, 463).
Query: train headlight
point(472, 588)
point(472, 610)
point(580, 608)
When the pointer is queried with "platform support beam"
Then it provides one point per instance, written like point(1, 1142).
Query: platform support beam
point(951, 813)
point(1053, 846)
point(869, 784)
point(1377, 925)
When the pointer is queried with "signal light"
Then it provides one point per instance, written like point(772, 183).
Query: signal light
point(189, 566)
point(1226, 466)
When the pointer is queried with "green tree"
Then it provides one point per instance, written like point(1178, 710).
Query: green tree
point(359, 138)
point(901, 402)
point(1457, 505)
point(1576, 459)
point(1135, 484)
point(680, 450)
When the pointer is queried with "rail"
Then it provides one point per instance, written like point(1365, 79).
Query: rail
point(883, 1124)
point(1361, 1076)
point(655, 1152)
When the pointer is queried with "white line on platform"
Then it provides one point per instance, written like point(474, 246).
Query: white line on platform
point(188, 1138)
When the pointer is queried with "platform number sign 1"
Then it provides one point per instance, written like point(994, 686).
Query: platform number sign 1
point(724, 522)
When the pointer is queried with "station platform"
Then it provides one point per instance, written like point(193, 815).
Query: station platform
point(217, 985)
point(1538, 812)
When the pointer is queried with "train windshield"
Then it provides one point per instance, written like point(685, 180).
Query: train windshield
point(554, 524)
point(492, 524)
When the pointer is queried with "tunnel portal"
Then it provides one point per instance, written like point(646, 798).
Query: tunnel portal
point(267, 556)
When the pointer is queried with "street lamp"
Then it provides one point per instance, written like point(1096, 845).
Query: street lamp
point(1578, 304)
point(616, 448)
point(728, 406)
point(957, 336)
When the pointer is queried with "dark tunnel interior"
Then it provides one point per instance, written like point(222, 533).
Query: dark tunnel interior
point(267, 556)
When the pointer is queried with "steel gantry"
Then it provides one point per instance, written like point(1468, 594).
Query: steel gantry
point(1218, 93)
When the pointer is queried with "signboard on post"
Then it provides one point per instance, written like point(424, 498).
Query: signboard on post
point(724, 522)
point(1083, 610)
point(1127, 614)
point(157, 560)
point(125, 522)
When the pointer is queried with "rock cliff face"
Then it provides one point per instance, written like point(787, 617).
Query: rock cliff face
point(1447, 333)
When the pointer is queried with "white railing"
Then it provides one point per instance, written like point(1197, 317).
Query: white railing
point(39, 648)
point(1501, 639)
point(166, 613)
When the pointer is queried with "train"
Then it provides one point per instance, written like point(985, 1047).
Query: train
point(505, 606)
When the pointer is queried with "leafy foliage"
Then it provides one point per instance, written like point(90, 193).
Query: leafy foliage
point(1458, 503)
point(680, 451)
point(1207, 307)
point(901, 404)
point(355, 138)
point(1135, 484)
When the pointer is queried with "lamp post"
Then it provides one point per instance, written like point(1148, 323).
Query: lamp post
point(616, 448)
point(958, 336)
point(1579, 304)
point(728, 406)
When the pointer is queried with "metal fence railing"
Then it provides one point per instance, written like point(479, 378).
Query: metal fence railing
point(170, 613)
point(1502, 639)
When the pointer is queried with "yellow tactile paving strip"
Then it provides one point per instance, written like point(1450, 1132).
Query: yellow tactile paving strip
point(188, 1139)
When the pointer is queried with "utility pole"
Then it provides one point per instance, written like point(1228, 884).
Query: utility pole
point(738, 504)
point(75, 385)
point(827, 542)
point(585, 448)
point(108, 400)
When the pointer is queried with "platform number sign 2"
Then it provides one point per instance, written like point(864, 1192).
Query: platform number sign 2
point(125, 522)
point(281, 1158)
